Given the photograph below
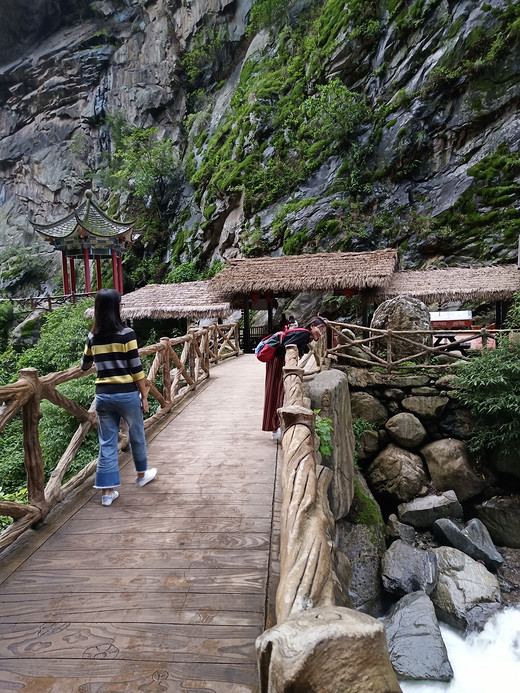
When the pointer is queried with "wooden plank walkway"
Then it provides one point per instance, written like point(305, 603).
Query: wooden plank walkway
point(167, 589)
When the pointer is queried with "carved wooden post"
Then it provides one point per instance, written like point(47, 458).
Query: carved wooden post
point(214, 342)
point(292, 377)
point(193, 363)
point(237, 338)
point(166, 375)
point(305, 555)
point(33, 458)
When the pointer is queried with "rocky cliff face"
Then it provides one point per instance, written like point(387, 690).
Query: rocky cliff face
point(299, 126)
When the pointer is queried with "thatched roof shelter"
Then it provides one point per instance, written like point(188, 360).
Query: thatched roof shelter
point(318, 272)
point(183, 300)
point(487, 284)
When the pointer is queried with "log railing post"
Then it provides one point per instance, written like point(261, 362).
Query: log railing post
point(33, 458)
point(237, 339)
point(193, 362)
point(166, 375)
point(306, 570)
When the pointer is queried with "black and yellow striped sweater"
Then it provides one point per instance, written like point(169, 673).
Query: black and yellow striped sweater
point(117, 361)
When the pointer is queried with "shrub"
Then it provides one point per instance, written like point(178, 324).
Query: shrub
point(324, 430)
point(62, 340)
point(490, 389)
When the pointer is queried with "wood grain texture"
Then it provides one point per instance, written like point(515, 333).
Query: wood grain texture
point(165, 590)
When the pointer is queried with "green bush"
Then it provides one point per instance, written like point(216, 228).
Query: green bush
point(16, 497)
point(12, 468)
point(6, 319)
point(187, 272)
point(57, 427)
point(324, 431)
point(62, 340)
point(490, 389)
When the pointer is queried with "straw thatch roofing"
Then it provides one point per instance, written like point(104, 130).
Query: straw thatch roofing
point(489, 284)
point(183, 300)
point(319, 272)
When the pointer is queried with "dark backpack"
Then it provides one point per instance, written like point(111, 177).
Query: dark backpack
point(266, 349)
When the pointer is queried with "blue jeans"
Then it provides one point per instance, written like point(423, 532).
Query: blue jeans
point(110, 409)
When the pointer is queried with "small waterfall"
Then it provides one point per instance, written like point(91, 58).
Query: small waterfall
point(482, 662)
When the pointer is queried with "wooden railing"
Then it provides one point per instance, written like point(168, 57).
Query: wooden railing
point(181, 363)
point(49, 303)
point(368, 346)
point(306, 525)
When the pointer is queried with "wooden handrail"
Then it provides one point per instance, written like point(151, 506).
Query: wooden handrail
point(306, 570)
point(379, 346)
point(179, 374)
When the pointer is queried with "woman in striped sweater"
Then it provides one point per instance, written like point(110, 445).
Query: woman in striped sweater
point(120, 393)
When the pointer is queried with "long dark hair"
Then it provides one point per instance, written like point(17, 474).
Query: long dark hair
point(316, 320)
point(107, 318)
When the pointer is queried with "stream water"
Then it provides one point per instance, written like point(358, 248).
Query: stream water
point(483, 662)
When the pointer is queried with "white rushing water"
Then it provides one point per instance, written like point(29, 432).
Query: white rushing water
point(486, 662)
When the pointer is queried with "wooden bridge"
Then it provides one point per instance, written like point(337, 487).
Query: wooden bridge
point(168, 588)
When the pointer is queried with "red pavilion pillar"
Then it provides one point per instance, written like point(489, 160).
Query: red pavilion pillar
point(99, 280)
point(115, 271)
point(120, 273)
point(72, 276)
point(87, 270)
point(65, 273)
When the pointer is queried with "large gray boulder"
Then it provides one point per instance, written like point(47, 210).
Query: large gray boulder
point(425, 407)
point(363, 378)
point(406, 430)
point(330, 649)
point(361, 537)
point(417, 650)
point(463, 585)
point(365, 406)
point(501, 515)
point(449, 465)
point(473, 540)
point(406, 569)
point(400, 314)
point(398, 530)
point(329, 392)
point(397, 475)
point(422, 512)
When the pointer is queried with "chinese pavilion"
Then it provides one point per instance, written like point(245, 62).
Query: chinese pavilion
point(89, 234)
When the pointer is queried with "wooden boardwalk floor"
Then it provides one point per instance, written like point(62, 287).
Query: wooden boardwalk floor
point(167, 589)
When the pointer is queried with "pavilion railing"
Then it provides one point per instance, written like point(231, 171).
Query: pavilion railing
point(46, 302)
point(370, 347)
point(180, 364)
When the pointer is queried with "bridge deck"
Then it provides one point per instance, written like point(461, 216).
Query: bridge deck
point(166, 590)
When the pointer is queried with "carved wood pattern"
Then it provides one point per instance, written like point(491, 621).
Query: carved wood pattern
point(306, 572)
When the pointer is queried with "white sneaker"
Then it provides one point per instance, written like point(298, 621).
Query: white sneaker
point(276, 435)
point(107, 500)
point(149, 475)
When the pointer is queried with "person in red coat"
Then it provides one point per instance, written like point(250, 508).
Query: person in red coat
point(273, 398)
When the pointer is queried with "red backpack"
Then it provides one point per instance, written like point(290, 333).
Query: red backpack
point(266, 349)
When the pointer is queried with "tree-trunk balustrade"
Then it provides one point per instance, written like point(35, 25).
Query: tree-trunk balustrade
point(47, 303)
point(376, 347)
point(180, 374)
point(306, 574)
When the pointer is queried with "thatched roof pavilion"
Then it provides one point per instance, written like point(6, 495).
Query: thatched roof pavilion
point(183, 300)
point(318, 272)
point(488, 284)
point(256, 282)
